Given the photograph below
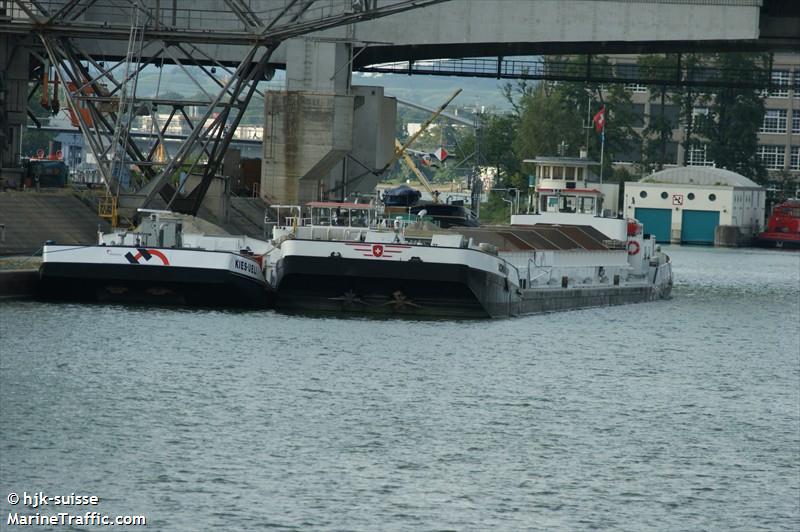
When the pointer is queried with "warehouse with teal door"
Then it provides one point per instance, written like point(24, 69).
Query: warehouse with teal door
point(689, 205)
point(656, 222)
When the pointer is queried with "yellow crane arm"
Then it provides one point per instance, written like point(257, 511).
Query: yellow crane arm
point(401, 149)
point(422, 179)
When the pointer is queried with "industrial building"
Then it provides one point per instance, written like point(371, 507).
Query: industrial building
point(778, 137)
point(697, 205)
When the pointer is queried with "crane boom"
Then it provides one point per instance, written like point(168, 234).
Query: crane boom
point(400, 150)
point(417, 172)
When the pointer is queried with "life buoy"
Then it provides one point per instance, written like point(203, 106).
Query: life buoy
point(633, 247)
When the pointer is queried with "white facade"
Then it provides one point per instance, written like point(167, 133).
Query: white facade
point(739, 201)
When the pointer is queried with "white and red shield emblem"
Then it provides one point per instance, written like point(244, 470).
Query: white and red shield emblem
point(378, 251)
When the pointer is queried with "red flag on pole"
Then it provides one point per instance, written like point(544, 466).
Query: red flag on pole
point(599, 120)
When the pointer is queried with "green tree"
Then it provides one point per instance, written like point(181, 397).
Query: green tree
point(687, 98)
point(576, 97)
point(621, 137)
point(658, 132)
point(735, 115)
point(499, 133)
point(515, 93)
point(547, 118)
point(33, 138)
point(657, 135)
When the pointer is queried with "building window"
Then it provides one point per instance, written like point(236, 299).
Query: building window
point(635, 87)
point(772, 156)
point(664, 195)
point(774, 121)
point(712, 197)
point(637, 115)
point(796, 118)
point(698, 111)
point(780, 84)
point(642, 194)
point(797, 83)
point(794, 160)
point(690, 195)
point(698, 156)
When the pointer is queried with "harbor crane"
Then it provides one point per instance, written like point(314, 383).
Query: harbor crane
point(401, 148)
point(101, 91)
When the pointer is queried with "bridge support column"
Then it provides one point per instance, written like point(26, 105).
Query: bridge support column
point(374, 119)
point(308, 128)
point(13, 106)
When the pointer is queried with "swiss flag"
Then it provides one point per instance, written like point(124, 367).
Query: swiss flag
point(599, 120)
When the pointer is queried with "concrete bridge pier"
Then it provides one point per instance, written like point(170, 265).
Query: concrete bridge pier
point(13, 104)
point(308, 127)
point(374, 117)
point(320, 119)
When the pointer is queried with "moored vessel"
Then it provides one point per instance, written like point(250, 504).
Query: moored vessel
point(158, 263)
point(350, 258)
point(783, 226)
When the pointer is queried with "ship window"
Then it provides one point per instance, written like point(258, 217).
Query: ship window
point(567, 204)
point(712, 197)
point(690, 195)
point(587, 205)
point(643, 194)
point(664, 195)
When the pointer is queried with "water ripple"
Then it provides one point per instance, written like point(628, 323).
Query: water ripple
point(677, 415)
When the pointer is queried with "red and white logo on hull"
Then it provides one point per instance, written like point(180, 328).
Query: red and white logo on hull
point(146, 254)
point(379, 250)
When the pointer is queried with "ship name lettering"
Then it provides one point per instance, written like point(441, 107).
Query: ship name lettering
point(245, 266)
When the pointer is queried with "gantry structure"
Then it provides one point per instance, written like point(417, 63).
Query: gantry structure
point(96, 50)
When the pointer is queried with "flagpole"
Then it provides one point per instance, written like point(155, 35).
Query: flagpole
point(602, 146)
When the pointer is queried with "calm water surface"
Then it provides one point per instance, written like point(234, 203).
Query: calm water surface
point(676, 415)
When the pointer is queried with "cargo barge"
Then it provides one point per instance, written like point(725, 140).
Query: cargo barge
point(345, 258)
point(158, 264)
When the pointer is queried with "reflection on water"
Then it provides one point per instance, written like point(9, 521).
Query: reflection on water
point(678, 415)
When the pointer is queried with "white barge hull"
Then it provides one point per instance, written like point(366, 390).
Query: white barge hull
point(390, 279)
point(417, 281)
point(152, 275)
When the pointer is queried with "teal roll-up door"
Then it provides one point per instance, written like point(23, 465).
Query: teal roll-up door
point(697, 227)
point(656, 222)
